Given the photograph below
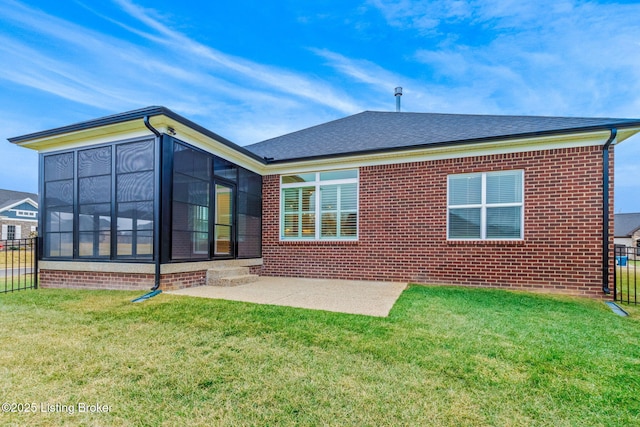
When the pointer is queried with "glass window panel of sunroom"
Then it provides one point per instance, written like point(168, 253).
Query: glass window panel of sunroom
point(144, 246)
point(52, 244)
point(198, 218)
point(224, 208)
point(59, 166)
point(465, 190)
point(181, 245)
point(134, 186)
point(222, 239)
point(134, 157)
point(60, 219)
point(85, 248)
point(66, 220)
point(180, 216)
point(58, 193)
point(95, 217)
point(198, 193)
point(124, 243)
point(225, 169)
point(104, 245)
point(183, 158)
point(504, 187)
point(201, 245)
point(464, 223)
point(66, 244)
point(504, 223)
point(95, 189)
point(96, 161)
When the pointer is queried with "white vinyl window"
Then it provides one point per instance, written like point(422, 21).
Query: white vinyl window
point(26, 213)
point(319, 206)
point(486, 206)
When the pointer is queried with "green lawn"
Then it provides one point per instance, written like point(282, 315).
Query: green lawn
point(627, 283)
point(445, 356)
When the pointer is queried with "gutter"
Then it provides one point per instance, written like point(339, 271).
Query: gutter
point(156, 240)
point(605, 211)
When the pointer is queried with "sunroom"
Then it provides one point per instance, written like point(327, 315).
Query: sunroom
point(146, 192)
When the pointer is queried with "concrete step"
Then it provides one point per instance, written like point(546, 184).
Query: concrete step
point(220, 272)
point(230, 276)
point(237, 280)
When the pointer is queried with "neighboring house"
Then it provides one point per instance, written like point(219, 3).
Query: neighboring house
point(627, 230)
point(148, 197)
point(18, 214)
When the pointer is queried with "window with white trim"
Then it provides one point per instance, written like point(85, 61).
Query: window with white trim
point(486, 206)
point(319, 206)
point(26, 213)
point(11, 232)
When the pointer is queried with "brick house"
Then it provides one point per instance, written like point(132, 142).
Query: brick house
point(149, 198)
point(627, 232)
point(18, 214)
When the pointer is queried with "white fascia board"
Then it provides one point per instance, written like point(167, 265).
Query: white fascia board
point(87, 137)
point(136, 129)
point(625, 134)
point(445, 152)
point(204, 142)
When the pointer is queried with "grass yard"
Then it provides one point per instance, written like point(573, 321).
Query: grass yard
point(445, 356)
point(628, 283)
point(16, 259)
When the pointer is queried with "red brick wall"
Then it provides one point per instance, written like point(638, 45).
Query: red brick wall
point(121, 281)
point(402, 228)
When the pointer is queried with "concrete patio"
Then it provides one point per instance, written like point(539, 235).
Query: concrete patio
point(343, 296)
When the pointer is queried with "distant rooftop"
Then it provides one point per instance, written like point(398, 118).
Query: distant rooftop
point(626, 224)
point(9, 197)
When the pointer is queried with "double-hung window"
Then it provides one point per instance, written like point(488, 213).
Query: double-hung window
point(486, 206)
point(319, 206)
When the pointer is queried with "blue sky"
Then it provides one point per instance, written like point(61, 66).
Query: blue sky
point(250, 70)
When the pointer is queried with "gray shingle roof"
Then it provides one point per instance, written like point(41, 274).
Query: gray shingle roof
point(372, 131)
point(626, 224)
point(9, 197)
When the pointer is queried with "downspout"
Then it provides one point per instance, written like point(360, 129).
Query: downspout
point(156, 240)
point(605, 208)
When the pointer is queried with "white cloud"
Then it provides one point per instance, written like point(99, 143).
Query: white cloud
point(276, 79)
point(560, 57)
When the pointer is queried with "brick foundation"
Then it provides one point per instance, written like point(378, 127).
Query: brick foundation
point(94, 280)
point(402, 228)
point(126, 277)
point(119, 281)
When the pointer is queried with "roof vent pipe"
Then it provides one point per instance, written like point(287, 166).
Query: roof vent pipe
point(398, 95)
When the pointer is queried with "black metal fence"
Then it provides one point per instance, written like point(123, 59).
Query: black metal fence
point(18, 264)
point(626, 279)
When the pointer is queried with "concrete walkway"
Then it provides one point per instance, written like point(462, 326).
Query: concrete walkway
point(343, 296)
